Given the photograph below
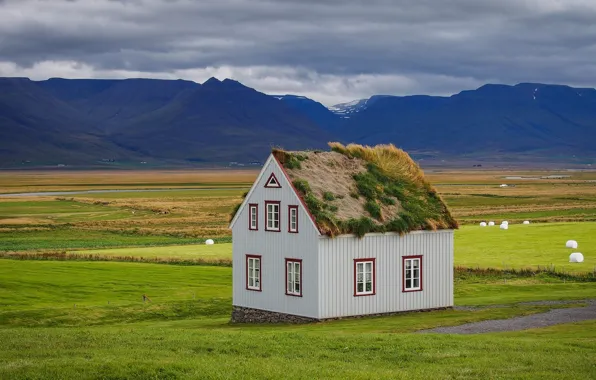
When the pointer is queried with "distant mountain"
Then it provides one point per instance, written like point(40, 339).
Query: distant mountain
point(526, 118)
point(112, 101)
point(219, 121)
point(314, 111)
point(36, 126)
point(83, 121)
point(347, 110)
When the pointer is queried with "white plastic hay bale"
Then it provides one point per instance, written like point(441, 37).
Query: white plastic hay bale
point(526, 222)
point(209, 242)
point(571, 244)
point(503, 185)
point(505, 222)
point(576, 257)
point(504, 226)
point(482, 224)
point(491, 223)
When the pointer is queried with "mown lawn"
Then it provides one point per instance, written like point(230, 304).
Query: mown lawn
point(216, 251)
point(183, 332)
point(523, 246)
point(67, 238)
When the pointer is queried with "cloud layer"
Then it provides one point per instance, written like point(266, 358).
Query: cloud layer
point(330, 50)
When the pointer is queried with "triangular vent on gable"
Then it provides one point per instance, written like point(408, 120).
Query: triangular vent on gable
point(272, 181)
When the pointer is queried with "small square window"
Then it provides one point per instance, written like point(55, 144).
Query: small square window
point(364, 277)
point(272, 216)
point(412, 273)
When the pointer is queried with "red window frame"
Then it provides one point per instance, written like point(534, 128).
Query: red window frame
point(301, 283)
point(290, 208)
point(250, 206)
point(374, 277)
point(260, 289)
point(267, 203)
point(276, 181)
point(403, 273)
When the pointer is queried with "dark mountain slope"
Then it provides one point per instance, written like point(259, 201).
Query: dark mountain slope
point(108, 102)
point(314, 111)
point(493, 118)
point(34, 125)
point(220, 121)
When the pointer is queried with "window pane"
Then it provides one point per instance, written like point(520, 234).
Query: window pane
point(408, 273)
point(408, 264)
point(297, 287)
point(250, 264)
point(408, 283)
point(360, 287)
point(368, 267)
point(416, 283)
point(369, 287)
point(368, 277)
point(416, 263)
point(416, 273)
point(257, 264)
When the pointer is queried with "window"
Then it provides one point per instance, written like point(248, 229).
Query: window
point(293, 219)
point(294, 277)
point(272, 216)
point(253, 216)
point(412, 273)
point(253, 272)
point(364, 277)
point(272, 182)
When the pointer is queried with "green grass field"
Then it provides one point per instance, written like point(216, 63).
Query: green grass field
point(521, 246)
point(217, 251)
point(87, 320)
point(526, 246)
point(184, 332)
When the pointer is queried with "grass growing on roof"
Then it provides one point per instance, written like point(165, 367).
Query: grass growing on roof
point(385, 192)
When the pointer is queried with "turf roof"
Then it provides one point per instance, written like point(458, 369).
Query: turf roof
point(358, 189)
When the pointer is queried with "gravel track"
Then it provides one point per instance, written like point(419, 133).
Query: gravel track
point(550, 318)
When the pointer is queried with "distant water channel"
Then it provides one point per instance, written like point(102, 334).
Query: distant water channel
point(54, 193)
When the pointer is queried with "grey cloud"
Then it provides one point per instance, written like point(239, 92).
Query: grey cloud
point(503, 40)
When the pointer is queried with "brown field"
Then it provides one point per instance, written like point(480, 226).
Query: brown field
point(65, 180)
point(185, 211)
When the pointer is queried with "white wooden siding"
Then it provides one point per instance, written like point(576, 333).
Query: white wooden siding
point(336, 273)
point(275, 247)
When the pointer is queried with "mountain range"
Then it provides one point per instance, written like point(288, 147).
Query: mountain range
point(85, 121)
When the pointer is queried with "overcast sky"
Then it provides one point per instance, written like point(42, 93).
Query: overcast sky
point(331, 51)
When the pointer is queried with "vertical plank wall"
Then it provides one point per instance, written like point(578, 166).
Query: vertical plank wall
point(275, 247)
point(336, 272)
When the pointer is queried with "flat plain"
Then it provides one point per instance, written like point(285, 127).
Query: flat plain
point(66, 318)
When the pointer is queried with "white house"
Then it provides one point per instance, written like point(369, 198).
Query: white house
point(296, 256)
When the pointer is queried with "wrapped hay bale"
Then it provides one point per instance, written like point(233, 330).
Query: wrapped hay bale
point(491, 223)
point(482, 224)
point(504, 226)
point(526, 222)
point(209, 242)
point(576, 257)
point(571, 244)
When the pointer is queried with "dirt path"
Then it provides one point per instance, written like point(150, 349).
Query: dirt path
point(550, 318)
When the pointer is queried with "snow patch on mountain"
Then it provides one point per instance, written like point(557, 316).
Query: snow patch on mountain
point(345, 110)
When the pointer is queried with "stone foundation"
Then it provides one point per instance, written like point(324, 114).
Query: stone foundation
point(249, 315)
